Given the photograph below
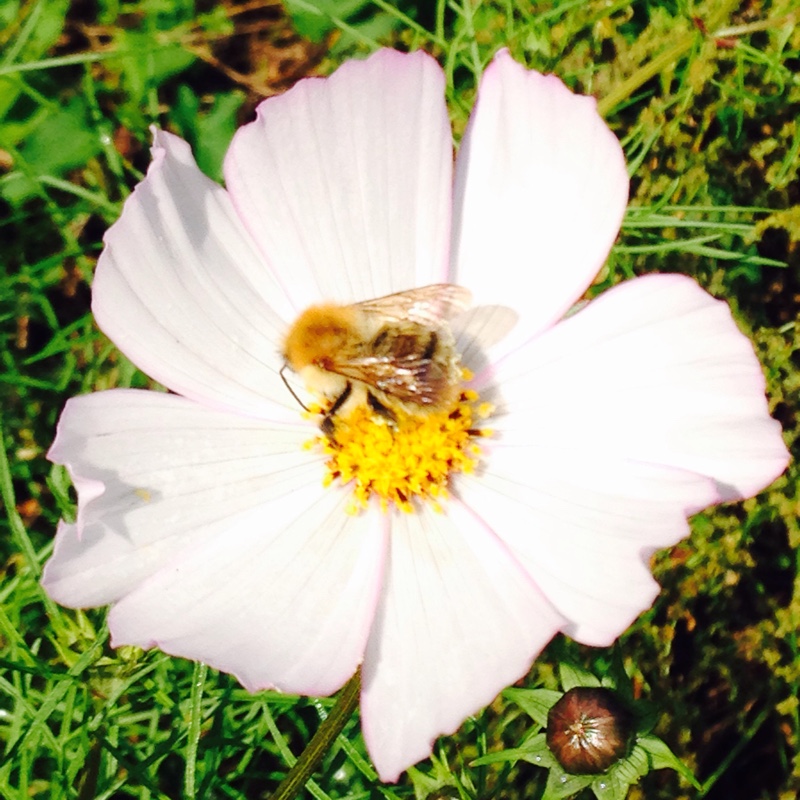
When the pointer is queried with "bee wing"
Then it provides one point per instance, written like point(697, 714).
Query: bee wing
point(410, 379)
point(427, 305)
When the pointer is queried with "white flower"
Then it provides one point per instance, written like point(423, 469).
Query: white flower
point(204, 521)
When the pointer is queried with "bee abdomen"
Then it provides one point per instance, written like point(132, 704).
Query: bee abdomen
point(399, 345)
point(430, 349)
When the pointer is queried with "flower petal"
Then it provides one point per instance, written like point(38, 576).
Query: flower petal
point(644, 407)
point(540, 192)
point(584, 527)
point(157, 474)
point(654, 370)
point(283, 599)
point(217, 540)
point(457, 622)
point(345, 182)
point(182, 290)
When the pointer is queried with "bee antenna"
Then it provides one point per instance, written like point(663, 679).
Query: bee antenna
point(291, 391)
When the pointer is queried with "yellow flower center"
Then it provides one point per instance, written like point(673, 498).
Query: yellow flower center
point(406, 460)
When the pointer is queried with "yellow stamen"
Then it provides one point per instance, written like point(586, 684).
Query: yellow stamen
point(408, 460)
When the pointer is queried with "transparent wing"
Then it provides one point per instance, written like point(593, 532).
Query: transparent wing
point(427, 305)
point(410, 378)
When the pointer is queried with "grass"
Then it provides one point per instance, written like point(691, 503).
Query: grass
point(706, 100)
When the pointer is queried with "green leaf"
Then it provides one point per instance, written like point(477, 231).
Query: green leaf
point(43, 27)
point(9, 11)
point(572, 675)
point(208, 130)
point(440, 782)
point(536, 703)
point(59, 139)
point(40, 25)
point(661, 757)
point(611, 787)
point(63, 140)
point(156, 60)
point(614, 784)
point(315, 19)
point(357, 21)
point(59, 484)
point(15, 188)
point(535, 751)
point(561, 785)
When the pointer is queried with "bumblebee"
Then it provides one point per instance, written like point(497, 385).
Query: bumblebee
point(393, 352)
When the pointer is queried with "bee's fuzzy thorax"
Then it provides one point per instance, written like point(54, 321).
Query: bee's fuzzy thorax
point(317, 333)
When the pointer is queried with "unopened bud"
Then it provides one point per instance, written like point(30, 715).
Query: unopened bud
point(588, 730)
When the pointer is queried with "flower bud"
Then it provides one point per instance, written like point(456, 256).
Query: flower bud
point(588, 730)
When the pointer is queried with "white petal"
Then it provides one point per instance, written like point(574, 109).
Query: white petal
point(181, 289)
point(611, 428)
point(284, 599)
point(157, 474)
point(541, 188)
point(345, 182)
point(584, 527)
point(457, 622)
point(654, 370)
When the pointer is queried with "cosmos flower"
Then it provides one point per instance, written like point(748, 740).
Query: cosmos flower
point(217, 532)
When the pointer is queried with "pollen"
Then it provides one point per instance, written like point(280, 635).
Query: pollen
point(406, 461)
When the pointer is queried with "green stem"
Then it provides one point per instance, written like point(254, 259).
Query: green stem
point(322, 740)
point(760, 25)
point(195, 720)
point(641, 76)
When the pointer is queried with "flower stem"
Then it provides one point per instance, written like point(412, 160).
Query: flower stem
point(322, 740)
point(193, 738)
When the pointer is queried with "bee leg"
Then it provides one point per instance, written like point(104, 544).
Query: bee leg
point(380, 409)
point(326, 426)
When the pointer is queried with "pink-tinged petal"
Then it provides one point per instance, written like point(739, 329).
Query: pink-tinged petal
point(182, 290)
point(654, 370)
point(157, 474)
point(283, 599)
point(584, 526)
point(345, 182)
point(458, 621)
point(540, 192)
point(611, 428)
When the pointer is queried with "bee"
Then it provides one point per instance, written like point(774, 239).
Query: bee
point(394, 352)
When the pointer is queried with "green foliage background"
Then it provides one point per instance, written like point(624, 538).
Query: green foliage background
point(706, 99)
